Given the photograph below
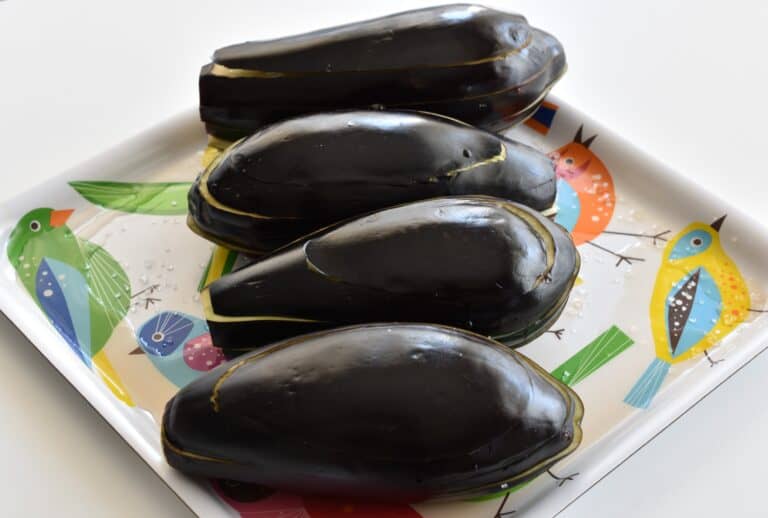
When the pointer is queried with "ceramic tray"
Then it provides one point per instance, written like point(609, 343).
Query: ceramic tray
point(98, 263)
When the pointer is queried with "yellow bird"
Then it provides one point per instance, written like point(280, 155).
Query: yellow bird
point(699, 297)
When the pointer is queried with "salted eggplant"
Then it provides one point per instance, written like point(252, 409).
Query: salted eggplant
point(302, 174)
point(486, 67)
point(403, 412)
point(475, 262)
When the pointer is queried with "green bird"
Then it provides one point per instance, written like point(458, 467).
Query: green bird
point(78, 285)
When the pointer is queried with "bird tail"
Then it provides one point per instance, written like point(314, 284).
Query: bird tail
point(648, 385)
point(111, 379)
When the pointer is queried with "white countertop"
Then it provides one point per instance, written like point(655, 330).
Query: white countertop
point(683, 80)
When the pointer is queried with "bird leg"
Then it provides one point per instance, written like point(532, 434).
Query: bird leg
point(753, 310)
point(150, 301)
point(151, 289)
point(622, 258)
point(557, 332)
point(712, 362)
point(561, 480)
point(147, 300)
point(499, 513)
point(653, 237)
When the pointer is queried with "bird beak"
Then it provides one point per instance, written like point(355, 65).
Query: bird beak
point(137, 351)
point(718, 222)
point(59, 217)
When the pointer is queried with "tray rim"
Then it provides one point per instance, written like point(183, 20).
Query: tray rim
point(201, 501)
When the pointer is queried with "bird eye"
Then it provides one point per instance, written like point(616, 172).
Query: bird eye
point(569, 161)
point(696, 241)
point(34, 225)
point(158, 337)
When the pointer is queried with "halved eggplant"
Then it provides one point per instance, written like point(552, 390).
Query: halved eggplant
point(486, 67)
point(403, 412)
point(475, 262)
point(302, 174)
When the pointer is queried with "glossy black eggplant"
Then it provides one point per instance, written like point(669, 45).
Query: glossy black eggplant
point(486, 67)
point(475, 262)
point(401, 412)
point(303, 174)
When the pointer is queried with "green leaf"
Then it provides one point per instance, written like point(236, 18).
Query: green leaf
point(596, 354)
point(221, 263)
point(204, 279)
point(160, 198)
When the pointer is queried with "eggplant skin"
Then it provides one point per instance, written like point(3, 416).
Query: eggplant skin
point(474, 262)
point(486, 67)
point(384, 411)
point(302, 174)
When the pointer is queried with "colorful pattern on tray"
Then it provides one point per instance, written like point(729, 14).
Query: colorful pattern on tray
point(78, 285)
point(179, 346)
point(699, 297)
point(110, 300)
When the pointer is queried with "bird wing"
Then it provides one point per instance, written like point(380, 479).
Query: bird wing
point(165, 333)
point(62, 294)
point(595, 190)
point(692, 310)
point(110, 293)
point(568, 205)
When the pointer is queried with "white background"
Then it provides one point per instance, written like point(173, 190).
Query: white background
point(686, 81)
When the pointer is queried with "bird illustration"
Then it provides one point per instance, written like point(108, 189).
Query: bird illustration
point(699, 297)
point(179, 345)
point(585, 193)
point(78, 285)
point(586, 196)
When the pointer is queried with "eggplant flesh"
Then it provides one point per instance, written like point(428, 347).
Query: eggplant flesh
point(403, 412)
point(303, 174)
point(474, 262)
point(486, 67)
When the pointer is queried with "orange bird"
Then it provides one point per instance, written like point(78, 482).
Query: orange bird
point(586, 196)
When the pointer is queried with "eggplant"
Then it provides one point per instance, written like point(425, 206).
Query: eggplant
point(485, 67)
point(382, 411)
point(474, 262)
point(302, 174)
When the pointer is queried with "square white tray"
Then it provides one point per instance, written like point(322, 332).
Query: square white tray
point(637, 195)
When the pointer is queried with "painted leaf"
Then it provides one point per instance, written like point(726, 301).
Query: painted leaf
point(596, 354)
point(156, 198)
point(222, 261)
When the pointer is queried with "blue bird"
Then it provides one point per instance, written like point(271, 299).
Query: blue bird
point(179, 345)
